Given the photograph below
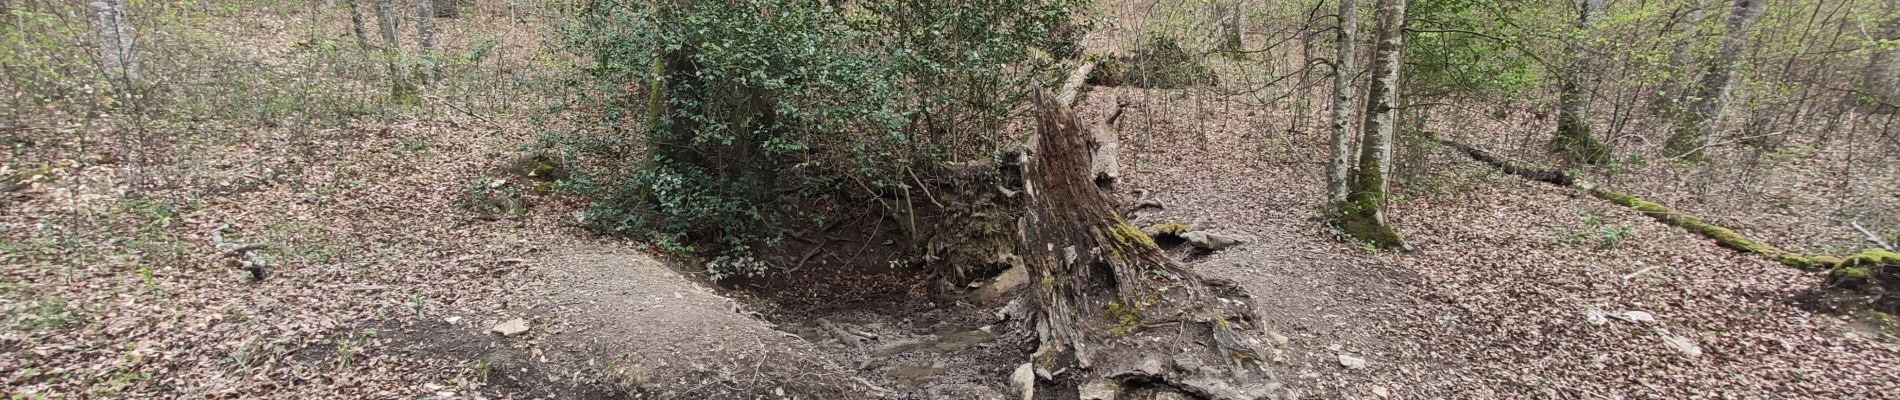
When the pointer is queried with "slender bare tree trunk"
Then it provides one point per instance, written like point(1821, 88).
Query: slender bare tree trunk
point(399, 86)
point(1880, 80)
point(116, 52)
point(1669, 95)
point(1711, 96)
point(1574, 140)
point(1339, 170)
point(356, 24)
point(1363, 214)
point(425, 35)
point(1227, 24)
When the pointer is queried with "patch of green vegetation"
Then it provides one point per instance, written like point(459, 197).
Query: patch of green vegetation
point(349, 346)
point(37, 314)
point(1605, 235)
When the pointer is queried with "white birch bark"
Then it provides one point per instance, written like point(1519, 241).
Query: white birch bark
point(1711, 94)
point(1339, 170)
point(117, 56)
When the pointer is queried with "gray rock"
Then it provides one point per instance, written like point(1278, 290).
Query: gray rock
point(1172, 395)
point(1006, 284)
point(1682, 344)
point(1212, 241)
point(1099, 390)
point(1024, 381)
point(513, 327)
point(1351, 362)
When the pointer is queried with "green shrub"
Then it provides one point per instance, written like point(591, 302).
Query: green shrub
point(745, 111)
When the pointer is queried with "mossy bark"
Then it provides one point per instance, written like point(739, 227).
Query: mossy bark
point(401, 89)
point(1102, 281)
point(1363, 214)
point(1868, 269)
point(1573, 139)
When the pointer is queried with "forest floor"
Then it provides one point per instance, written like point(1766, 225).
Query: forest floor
point(382, 285)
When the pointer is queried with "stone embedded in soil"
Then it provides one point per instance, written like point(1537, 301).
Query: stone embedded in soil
point(513, 327)
point(1681, 344)
point(1024, 381)
point(1351, 362)
point(1098, 390)
point(1005, 285)
point(1212, 241)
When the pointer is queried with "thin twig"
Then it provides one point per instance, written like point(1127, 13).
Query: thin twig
point(1871, 236)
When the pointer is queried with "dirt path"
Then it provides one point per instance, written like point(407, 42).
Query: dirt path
point(641, 328)
point(1497, 302)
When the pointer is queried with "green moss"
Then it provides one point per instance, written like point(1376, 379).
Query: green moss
point(403, 92)
point(538, 166)
point(1358, 215)
point(1170, 229)
point(1127, 318)
point(1127, 235)
point(1723, 236)
point(1824, 261)
point(1574, 142)
point(1853, 273)
point(1873, 257)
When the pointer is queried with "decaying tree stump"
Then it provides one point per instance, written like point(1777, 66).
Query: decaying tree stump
point(1117, 319)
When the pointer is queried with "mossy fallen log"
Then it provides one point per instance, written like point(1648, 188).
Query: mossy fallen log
point(1869, 268)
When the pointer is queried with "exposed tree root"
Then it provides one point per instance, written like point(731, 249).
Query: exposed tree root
point(1870, 268)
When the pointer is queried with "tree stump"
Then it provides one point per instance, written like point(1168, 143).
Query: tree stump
point(1116, 318)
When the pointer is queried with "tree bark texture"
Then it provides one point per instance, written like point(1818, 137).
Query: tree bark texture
point(356, 25)
point(1363, 214)
point(117, 57)
point(1339, 170)
point(400, 88)
point(1669, 94)
point(425, 37)
point(1697, 123)
point(1880, 81)
point(1574, 140)
point(1103, 289)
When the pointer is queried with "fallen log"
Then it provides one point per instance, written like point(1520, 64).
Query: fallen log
point(1869, 268)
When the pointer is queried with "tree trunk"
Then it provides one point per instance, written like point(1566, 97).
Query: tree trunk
point(1227, 24)
point(1880, 80)
point(1692, 130)
point(425, 36)
point(448, 8)
point(400, 88)
point(356, 25)
point(1669, 94)
point(1363, 214)
point(1573, 139)
point(1339, 170)
point(116, 56)
point(1103, 291)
